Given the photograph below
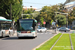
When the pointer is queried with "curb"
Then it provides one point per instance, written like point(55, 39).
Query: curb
point(71, 42)
point(43, 43)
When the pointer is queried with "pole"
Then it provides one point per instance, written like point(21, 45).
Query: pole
point(22, 13)
point(11, 14)
point(67, 20)
point(10, 11)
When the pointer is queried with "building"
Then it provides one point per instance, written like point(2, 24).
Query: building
point(25, 7)
point(69, 7)
point(38, 10)
point(34, 8)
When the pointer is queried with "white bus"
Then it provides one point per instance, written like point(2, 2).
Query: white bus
point(26, 28)
point(5, 24)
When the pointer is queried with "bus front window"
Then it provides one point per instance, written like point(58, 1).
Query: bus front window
point(26, 25)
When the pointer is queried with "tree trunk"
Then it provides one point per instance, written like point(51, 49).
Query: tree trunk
point(11, 11)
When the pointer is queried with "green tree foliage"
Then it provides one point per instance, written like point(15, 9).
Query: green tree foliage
point(30, 13)
point(51, 12)
point(42, 20)
point(35, 14)
point(44, 15)
point(16, 8)
point(71, 15)
point(51, 22)
point(61, 19)
point(48, 13)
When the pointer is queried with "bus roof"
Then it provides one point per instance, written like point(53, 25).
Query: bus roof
point(4, 19)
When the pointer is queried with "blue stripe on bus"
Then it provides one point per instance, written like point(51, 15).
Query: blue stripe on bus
point(5, 20)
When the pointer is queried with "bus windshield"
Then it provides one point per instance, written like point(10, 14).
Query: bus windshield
point(5, 26)
point(26, 25)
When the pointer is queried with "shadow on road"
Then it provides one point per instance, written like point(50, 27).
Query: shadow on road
point(16, 38)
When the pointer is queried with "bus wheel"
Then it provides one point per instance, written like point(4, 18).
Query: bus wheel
point(9, 34)
point(2, 34)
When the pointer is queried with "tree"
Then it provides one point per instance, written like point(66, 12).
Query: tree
point(48, 12)
point(30, 13)
point(15, 11)
point(51, 22)
point(61, 19)
point(71, 16)
point(35, 14)
point(42, 20)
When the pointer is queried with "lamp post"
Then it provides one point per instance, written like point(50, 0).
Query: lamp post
point(11, 11)
point(56, 26)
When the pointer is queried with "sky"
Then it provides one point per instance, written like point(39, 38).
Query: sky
point(40, 3)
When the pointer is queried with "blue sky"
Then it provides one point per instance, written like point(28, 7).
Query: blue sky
point(41, 3)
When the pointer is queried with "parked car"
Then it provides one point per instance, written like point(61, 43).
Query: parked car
point(42, 29)
point(64, 29)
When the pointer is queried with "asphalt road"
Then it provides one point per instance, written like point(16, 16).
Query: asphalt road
point(13, 43)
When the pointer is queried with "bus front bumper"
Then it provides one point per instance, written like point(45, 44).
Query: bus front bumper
point(26, 35)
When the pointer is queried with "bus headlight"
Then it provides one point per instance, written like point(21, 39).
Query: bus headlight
point(33, 33)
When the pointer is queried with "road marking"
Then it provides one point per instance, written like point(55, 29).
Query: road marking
point(43, 42)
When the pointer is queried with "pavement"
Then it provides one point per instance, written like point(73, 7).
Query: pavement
point(13, 43)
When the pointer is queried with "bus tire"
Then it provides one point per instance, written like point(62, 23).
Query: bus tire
point(9, 34)
point(2, 35)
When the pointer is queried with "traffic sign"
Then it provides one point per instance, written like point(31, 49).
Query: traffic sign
point(44, 22)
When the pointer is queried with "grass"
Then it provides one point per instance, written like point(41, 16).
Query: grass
point(63, 43)
point(49, 43)
point(73, 40)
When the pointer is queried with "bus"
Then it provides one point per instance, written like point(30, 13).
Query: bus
point(5, 24)
point(26, 28)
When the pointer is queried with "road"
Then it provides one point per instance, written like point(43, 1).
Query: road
point(13, 43)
